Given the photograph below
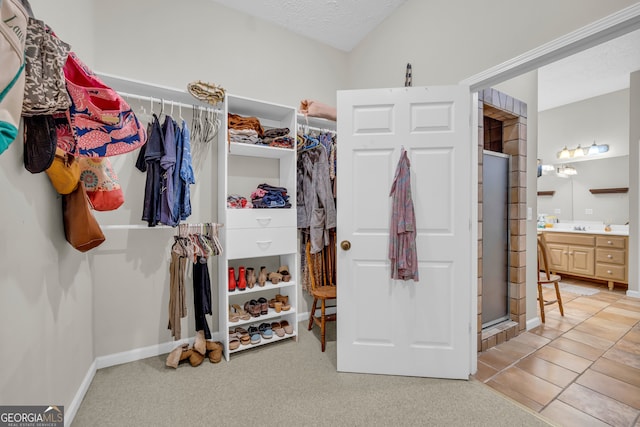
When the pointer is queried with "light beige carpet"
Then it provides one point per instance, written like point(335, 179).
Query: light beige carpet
point(287, 384)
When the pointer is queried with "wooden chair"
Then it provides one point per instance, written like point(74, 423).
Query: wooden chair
point(545, 276)
point(321, 292)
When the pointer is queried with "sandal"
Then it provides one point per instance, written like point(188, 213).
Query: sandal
point(286, 307)
point(264, 305)
point(253, 308)
point(284, 270)
point(265, 331)
point(277, 328)
point(243, 334)
point(284, 299)
point(275, 278)
point(233, 316)
point(242, 315)
point(287, 327)
point(234, 341)
point(255, 334)
point(262, 276)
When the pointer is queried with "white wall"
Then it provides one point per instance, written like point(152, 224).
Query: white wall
point(47, 300)
point(603, 119)
point(46, 291)
point(634, 186)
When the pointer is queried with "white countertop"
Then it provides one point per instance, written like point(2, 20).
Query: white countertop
point(589, 228)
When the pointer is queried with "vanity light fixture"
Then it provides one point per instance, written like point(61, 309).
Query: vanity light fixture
point(565, 171)
point(594, 149)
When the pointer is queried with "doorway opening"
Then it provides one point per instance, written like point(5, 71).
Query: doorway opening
point(502, 128)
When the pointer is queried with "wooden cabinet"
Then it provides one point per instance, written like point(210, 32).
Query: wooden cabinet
point(589, 255)
point(611, 259)
point(257, 237)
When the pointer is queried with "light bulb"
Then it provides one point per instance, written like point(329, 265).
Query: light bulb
point(564, 154)
point(578, 152)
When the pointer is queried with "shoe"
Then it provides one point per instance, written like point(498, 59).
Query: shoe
point(234, 340)
point(234, 316)
point(242, 280)
point(275, 278)
point(242, 315)
point(177, 355)
point(286, 326)
point(262, 276)
point(242, 334)
point(232, 279)
point(255, 334)
point(264, 306)
point(253, 308)
point(215, 351)
point(284, 299)
point(196, 358)
point(265, 331)
point(284, 270)
point(276, 327)
point(200, 344)
point(251, 277)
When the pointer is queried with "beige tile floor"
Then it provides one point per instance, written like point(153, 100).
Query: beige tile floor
point(580, 369)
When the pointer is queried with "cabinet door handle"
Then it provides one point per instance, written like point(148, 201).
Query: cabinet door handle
point(609, 242)
point(609, 272)
point(609, 256)
point(570, 253)
point(264, 220)
point(565, 253)
point(264, 243)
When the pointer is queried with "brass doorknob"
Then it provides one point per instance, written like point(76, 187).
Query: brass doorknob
point(345, 245)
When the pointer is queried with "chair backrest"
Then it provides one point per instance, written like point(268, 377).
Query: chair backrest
point(321, 266)
point(543, 256)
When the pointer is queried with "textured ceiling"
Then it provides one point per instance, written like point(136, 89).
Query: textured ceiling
point(344, 23)
point(338, 23)
point(602, 69)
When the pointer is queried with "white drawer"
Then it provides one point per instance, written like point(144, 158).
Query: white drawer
point(260, 218)
point(258, 242)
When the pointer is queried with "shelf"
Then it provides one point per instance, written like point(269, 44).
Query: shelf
point(256, 150)
point(546, 193)
point(262, 318)
point(608, 190)
point(268, 286)
point(263, 342)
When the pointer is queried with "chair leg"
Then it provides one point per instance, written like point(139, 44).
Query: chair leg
point(541, 301)
point(559, 298)
point(322, 324)
point(312, 313)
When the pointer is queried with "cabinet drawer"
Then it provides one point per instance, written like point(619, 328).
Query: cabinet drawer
point(260, 218)
point(569, 239)
point(613, 256)
point(258, 242)
point(610, 272)
point(611, 241)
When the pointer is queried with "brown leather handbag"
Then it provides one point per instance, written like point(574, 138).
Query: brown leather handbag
point(80, 226)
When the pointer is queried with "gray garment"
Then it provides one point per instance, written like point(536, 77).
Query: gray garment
point(316, 207)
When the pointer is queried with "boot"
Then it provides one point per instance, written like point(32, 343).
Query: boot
point(251, 277)
point(196, 358)
point(242, 280)
point(262, 277)
point(200, 345)
point(232, 279)
point(176, 355)
point(215, 351)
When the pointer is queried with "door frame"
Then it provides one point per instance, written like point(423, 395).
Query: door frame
point(612, 26)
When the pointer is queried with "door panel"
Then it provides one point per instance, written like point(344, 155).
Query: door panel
point(405, 327)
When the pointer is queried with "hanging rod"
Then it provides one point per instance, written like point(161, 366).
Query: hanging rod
point(167, 101)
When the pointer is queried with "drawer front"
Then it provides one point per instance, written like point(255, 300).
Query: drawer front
point(570, 239)
point(612, 242)
point(258, 242)
point(610, 272)
point(613, 256)
point(260, 218)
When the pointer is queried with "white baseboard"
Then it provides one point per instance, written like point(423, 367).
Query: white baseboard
point(532, 323)
point(71, 411)
point(633, 294)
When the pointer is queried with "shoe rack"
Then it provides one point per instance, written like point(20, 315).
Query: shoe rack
point(253, 238)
